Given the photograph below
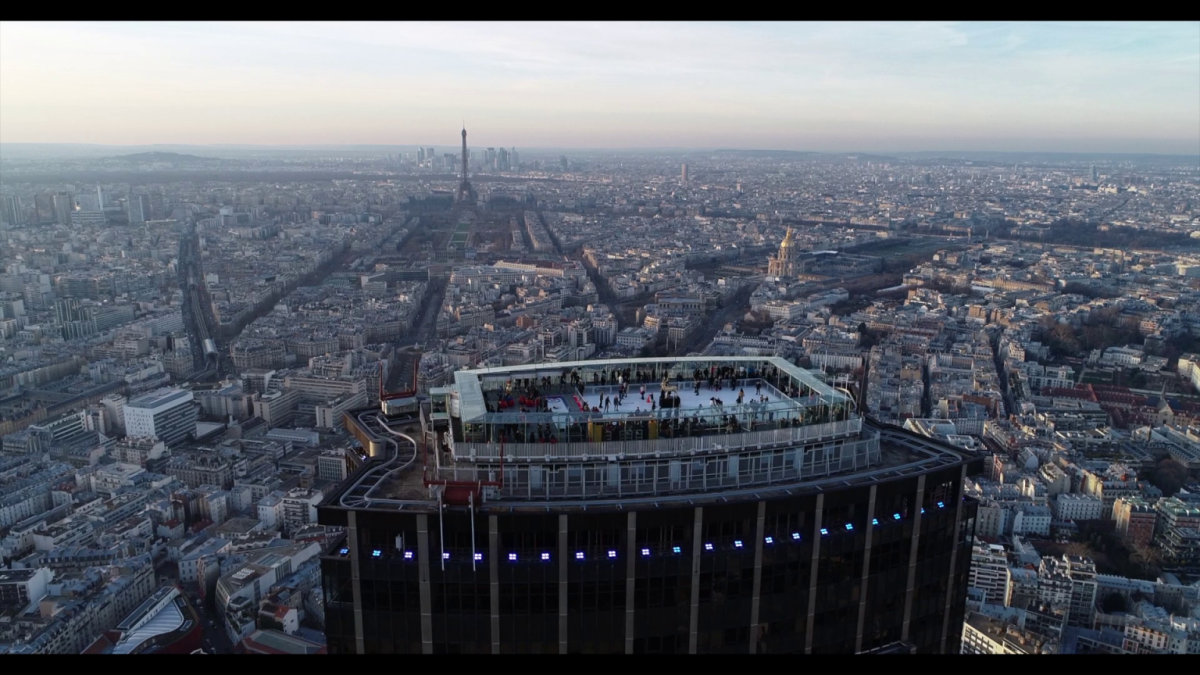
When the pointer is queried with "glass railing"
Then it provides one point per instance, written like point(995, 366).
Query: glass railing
point(650, 476)
point(716, 443)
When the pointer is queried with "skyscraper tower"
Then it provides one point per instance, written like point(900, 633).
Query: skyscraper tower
point(683, 174)
point(641, 536)
point(14, 213)
point(466, 195)
point(139, 208)
point(64, 205)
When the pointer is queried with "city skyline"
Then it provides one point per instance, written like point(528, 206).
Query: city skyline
point(657, 338)
point(824, 87)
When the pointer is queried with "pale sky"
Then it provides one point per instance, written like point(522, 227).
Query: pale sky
point(1054, 87)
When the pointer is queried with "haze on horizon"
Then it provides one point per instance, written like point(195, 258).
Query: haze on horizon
point(855, 87)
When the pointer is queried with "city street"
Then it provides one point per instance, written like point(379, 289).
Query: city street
point(216, 641)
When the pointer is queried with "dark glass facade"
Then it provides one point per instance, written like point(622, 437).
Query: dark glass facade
point(840, 571)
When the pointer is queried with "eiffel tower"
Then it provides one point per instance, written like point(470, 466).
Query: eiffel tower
point(466, 194)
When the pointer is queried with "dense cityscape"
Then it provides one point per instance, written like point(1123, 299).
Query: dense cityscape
point(166, 450)
point(667, 338)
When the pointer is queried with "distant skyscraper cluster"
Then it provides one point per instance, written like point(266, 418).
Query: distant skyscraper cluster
point(69, 208)
point(491, 159)
point(499, 160)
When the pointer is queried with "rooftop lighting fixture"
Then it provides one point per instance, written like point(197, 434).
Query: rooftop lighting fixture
point(941, 505)
point(344, 551)
point(579, 555)
point(708, 547)
point(795, 536)
point(770, 540)
point(922, 510)
point(737, 543)
point(849, 526)
point(676, 549)
point(408, 555)
point(545, 556)
point(896, 516)
point(612, 554)
point(646, 552)
point(512, 557)
point(874, 521)
point(824, 531)
point(445, 556)
point(376, 553)
point(478, 557)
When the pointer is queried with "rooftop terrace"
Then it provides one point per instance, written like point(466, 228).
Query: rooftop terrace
point(638, 407)
point(790, 433)
point(790, 389)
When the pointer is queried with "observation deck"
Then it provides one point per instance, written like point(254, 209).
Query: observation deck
point(798, 434)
